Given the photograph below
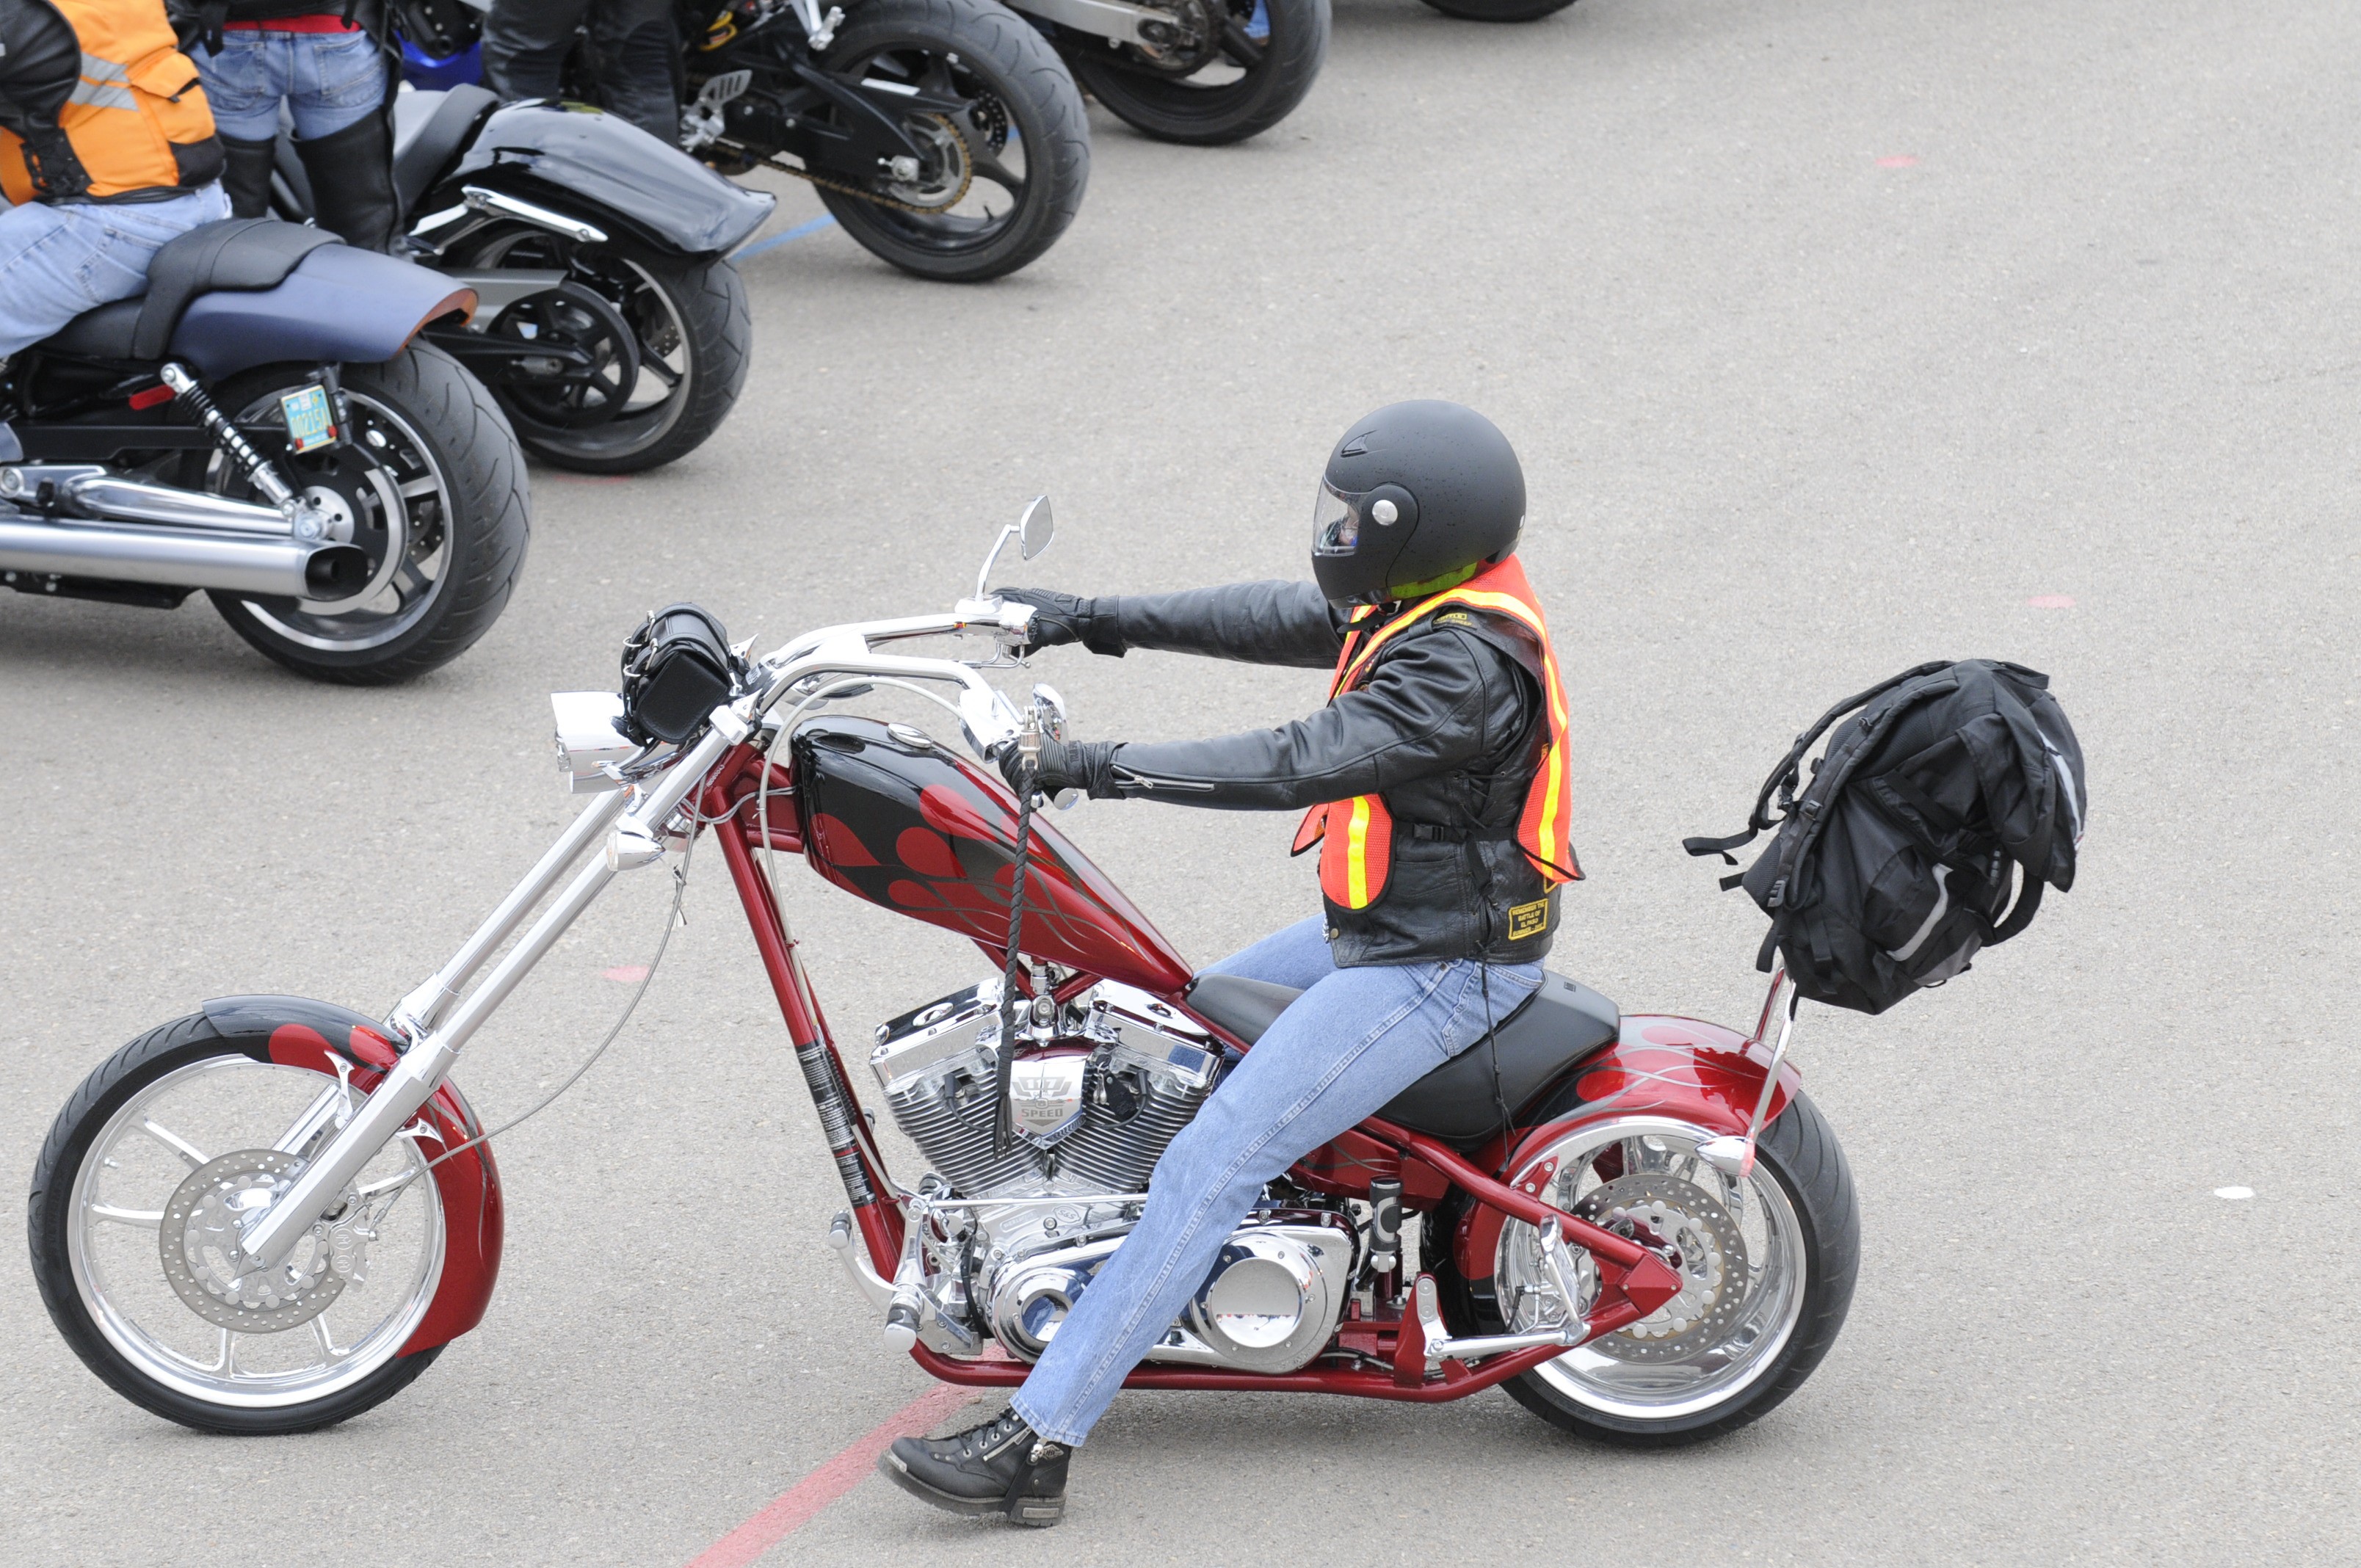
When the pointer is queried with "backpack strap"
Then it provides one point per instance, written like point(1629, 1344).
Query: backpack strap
point(2028, 903)
point(1783, 778)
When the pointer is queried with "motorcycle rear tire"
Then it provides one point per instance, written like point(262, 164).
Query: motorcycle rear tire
point(707, 299)
point(1499, 10)
point(1798, 1151)
point(1173, 111)
point(474, 455)
point(1000, 48)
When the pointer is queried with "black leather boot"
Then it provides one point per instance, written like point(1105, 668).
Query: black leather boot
point(1000, 1466)
point(352, 183)
point(246, 175)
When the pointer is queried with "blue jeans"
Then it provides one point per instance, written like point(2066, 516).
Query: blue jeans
point(1353, 1041)
point(330, 80)
point(59, 259)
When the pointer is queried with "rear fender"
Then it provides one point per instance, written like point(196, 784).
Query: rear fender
point(608, 172)
point(340, 305)
point(300, 1032)
point(1681, 1069)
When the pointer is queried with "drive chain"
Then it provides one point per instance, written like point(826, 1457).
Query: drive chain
point(840, 188)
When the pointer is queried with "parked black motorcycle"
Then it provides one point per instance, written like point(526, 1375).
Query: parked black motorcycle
point(263, 424)
point(612, 327)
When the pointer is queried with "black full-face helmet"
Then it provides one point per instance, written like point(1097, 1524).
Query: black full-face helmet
point(1418, 498)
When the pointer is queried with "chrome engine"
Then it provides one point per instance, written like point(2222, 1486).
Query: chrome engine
point(1004, 1245)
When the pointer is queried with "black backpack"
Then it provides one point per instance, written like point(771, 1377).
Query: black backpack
point(1892, 869)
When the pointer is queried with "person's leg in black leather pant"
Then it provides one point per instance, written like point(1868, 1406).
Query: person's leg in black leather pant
point(526, 43)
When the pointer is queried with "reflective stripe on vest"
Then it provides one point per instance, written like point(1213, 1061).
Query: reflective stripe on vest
point(137, 100)
point(1357, 856)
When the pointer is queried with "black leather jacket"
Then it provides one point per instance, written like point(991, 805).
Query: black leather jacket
point(1447, 727)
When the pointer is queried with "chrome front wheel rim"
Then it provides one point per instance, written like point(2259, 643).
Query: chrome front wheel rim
point(121, 1201)
point(1742, 1257)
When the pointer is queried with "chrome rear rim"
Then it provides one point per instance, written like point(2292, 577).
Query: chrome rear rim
point(1741, 1258)
point(194, 1118)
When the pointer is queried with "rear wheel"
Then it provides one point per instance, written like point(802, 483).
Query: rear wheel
point(1000, 180)
point(133, 1206)
point(659, 345)
point(1499, 10)
point(429, 484)
point(1229, 70)
point(1766, 1265)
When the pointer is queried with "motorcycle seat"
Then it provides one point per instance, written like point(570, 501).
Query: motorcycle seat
point(237, 254)
point(428, 128)
point(1460, 1102)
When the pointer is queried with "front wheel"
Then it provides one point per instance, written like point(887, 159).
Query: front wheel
point(1766, 1265)
point(428, 482)
point(134, 1215)
point(1226, 70)
point(1001, 178)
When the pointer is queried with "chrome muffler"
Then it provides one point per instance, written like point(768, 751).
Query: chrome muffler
point(243, 563)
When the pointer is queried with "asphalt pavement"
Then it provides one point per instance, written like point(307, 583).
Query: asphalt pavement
point(1836, 336)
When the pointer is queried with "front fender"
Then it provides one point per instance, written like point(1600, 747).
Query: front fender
point(1683, 1068)
point(608, 171)
point(300, 1032)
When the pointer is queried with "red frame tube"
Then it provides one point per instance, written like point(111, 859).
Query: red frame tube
point(1635, 1281)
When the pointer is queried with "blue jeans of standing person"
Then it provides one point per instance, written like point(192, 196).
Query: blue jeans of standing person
point(1353, 1040)
point(329, 81)
point(59, 259)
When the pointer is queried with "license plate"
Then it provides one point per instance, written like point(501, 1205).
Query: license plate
point(308, 424)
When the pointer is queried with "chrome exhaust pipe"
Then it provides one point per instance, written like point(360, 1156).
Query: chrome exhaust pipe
point(274, 568)
point(100, 493)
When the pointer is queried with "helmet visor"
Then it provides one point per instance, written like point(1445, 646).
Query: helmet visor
point(1335, 522)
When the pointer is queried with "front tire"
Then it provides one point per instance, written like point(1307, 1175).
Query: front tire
point(1025, 142)
point(1245, 84)
point(434, 487)
point(117, 1155)
point(1767, 1279)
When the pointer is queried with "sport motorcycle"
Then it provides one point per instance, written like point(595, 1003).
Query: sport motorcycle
point(272, 423)
point(275, 1212)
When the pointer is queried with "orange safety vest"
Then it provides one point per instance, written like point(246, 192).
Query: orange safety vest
point(1356, 836)
point(137, 121)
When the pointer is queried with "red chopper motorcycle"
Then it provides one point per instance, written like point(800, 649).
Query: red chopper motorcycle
point(274, 1213)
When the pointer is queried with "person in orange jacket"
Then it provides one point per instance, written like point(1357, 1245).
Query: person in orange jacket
point(107, 152)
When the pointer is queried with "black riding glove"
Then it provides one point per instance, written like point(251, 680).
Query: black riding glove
point(1060, 618)
point(1085, 765)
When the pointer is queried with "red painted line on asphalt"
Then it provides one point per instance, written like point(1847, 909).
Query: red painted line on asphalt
point(1898, 160)
point(629, 974)
point(2051, 602)
point(801, 1503)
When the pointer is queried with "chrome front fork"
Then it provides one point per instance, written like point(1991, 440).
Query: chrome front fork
point(434, 1022)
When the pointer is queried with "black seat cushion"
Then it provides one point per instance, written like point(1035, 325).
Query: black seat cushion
point(102, 334)
point(1244, 1007)
point(418, 158)
point(1545, 1037)
point(237, 254)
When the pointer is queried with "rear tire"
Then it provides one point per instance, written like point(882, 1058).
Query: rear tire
point(443, 577)
point(1799, 1154)
point(1499, 10)
point(52, 1219)
point(1170, 109)
point(1004, 61)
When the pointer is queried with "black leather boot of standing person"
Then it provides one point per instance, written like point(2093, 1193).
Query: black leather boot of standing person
point(246, 175)
point(352, 183)
point(999, 1466)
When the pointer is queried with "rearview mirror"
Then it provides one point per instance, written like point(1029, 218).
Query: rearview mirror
point(1035, 528)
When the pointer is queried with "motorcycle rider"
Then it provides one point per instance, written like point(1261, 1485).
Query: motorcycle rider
point(526, 43)
point(1436, 778)
point(106, 151)
point(324, 60)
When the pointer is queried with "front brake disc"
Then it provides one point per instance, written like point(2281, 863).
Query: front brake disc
point(199, 1243)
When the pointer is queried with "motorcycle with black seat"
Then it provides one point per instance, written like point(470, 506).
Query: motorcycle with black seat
point(612, 327)
point(266, 424)
point(274, 1213)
